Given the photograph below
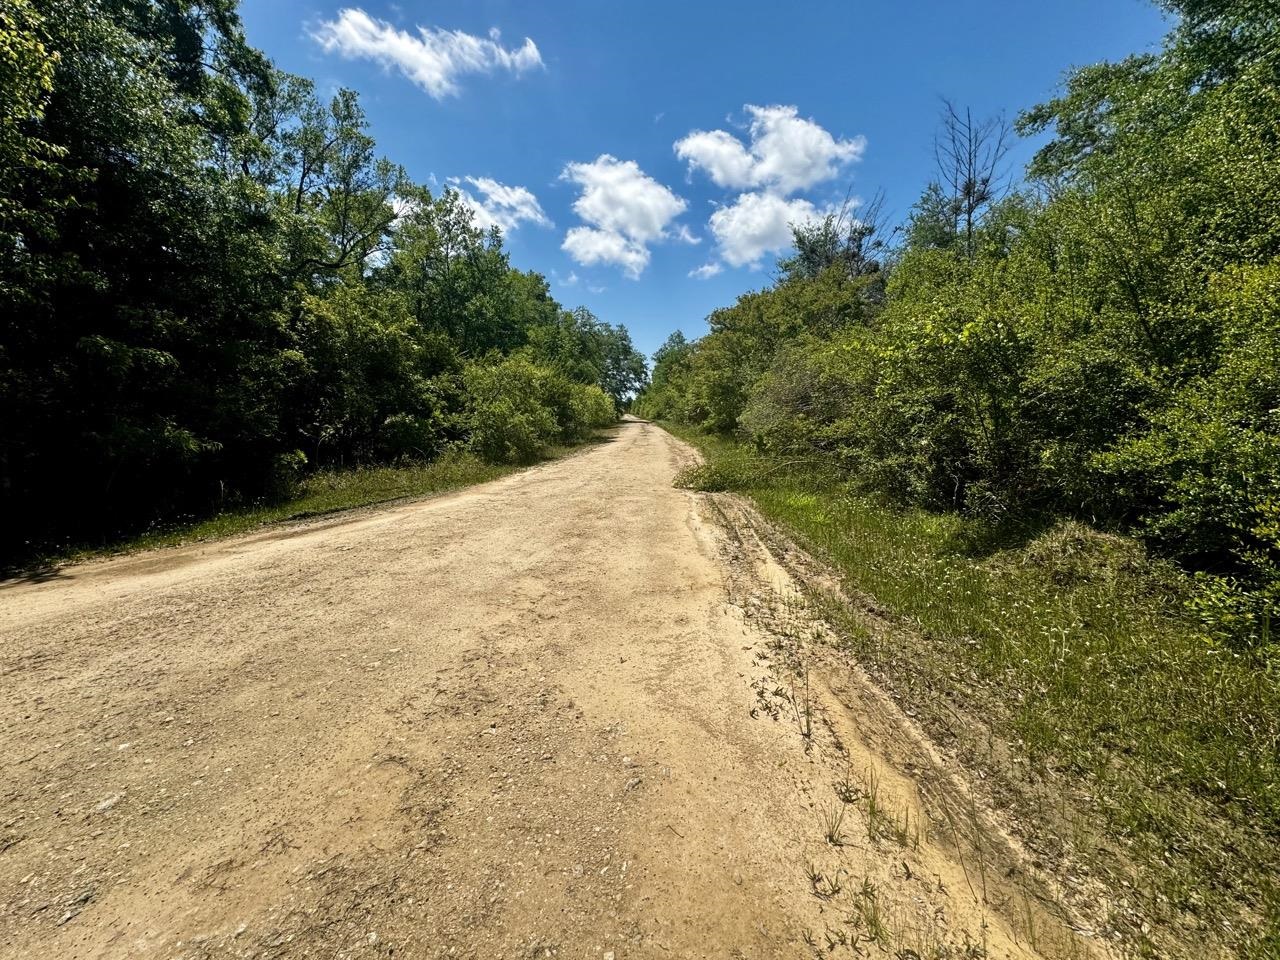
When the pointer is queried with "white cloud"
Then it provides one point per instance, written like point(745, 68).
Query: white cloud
point(721, 155)
point(786, 153)
point(433, 59)
point(620, 197)
point(404, 206)
point(502, 205)
point(625, 210)
point(706, 271)
point(756, 224)
point(589, 246)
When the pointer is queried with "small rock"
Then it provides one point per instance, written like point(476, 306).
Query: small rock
point(109, 802)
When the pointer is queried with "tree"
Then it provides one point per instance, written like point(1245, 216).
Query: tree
point(26, 79)
point(970, 156)
point(855, 244)
point(212, 280)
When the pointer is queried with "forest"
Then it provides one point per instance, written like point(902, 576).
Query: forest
point(213, 285)
point(1098, 339)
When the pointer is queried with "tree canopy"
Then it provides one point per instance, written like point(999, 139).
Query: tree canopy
point(211, 280)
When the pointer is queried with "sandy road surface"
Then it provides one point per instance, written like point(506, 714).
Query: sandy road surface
point(561, 714)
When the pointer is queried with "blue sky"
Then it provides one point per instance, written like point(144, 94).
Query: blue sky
point(649, 155)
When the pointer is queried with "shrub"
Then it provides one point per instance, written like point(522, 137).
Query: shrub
point(507, 416)
point(590, 409)
point(516, 407)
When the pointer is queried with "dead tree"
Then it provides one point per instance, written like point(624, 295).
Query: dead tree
point(970, 156)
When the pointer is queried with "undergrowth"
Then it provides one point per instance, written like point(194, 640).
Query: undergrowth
point(1077, 648)
point(323, 492)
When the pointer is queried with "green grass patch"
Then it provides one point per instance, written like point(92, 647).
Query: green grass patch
point(1077, 648)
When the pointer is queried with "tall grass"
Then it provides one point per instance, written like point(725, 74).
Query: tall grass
point(1076, 647)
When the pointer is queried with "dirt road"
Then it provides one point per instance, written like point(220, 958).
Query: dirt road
point(574, 713)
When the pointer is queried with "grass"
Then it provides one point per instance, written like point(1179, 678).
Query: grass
point(1094, 691)
point(323, 492)
point(833, 823)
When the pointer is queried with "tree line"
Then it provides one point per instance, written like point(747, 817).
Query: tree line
point(211, 283)
point(1099, 340)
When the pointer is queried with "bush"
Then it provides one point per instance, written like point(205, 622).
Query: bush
point(286, 474)
point(404, 437)
point(515, 408)
point(590, 409)
point(507, 416)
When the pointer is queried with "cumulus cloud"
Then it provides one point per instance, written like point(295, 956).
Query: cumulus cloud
point(624, 209)
point(786, 152)
point(781, 154)
point(433, 59)
point(756, 224)
point(589, 246)
point(720, 155)
point(501, 205)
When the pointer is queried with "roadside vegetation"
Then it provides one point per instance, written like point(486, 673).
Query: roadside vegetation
point(316, 494)
point(1138, 750)
point(212, 287)
point(1038, 429)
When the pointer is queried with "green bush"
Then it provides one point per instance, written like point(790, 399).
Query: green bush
point(507, 417)
point(516, 408)
point(590, 408)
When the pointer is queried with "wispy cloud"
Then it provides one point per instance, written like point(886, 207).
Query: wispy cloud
point(434, 59)
point(501, 205)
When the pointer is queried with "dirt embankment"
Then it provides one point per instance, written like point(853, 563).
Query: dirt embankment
point(573, 713)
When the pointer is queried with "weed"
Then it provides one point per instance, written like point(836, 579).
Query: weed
point(824, 887)
point(803, 712)
point(867, 909)
point(847, 791)
point(833, 823)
